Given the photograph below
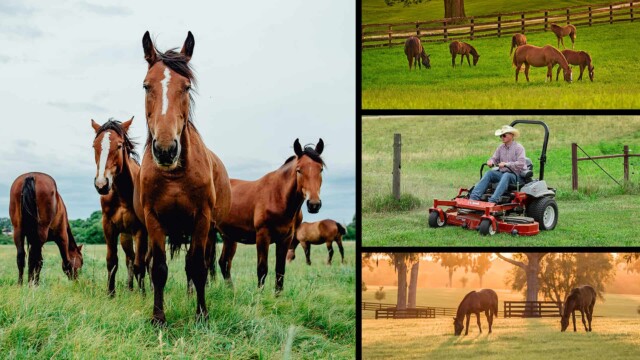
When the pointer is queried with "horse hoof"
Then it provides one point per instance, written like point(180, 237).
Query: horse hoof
point(159, 320)
point(202, 317)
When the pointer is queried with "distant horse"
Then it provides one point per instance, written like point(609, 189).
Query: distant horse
point(38, 213)
point(562, 31)
point(517, 40)
point(317, 233)
point(583, 299)
point(580, 58)
point(117, 175)
point(464, 49)
point(265, 211)
point(548, 56)
point(473, 303)
point(414, 51)
point(184, 187)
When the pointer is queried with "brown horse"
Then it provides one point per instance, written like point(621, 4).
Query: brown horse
point(517, 40)
point(583, 299)
point(580, 58)
point(317, 233)
point(414, 51)
point(548, 56)
point(265, 211)
point(38, 213)
point(562, 31)
point(464, 49)
point(473, 303)
point(184, 187)
point(116, 176)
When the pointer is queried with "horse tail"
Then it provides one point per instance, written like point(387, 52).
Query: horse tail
point(513, 43)
point(573, 33)
point(341, 228)
point(29, 207)
point(495, 309)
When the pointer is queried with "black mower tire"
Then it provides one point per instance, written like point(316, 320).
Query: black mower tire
point(434, 220)
point(485, 228)
point(539, 207)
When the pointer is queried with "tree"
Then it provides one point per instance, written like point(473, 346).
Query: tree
point(531, 270)
point(454, 9)
point(380, 295)
point(451, 262)
point(480, 264)
point(88, 231)
point(364, 287)
point(464, 280)
point(351, 230)
point(413, 285)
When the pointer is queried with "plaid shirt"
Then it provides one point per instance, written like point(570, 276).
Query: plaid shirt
point(513, 155)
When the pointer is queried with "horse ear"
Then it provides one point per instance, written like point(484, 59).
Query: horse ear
point(126, 124)
point(149, 50)
point(320, 146)
point(187, 48)
point(95, 125)
point(80, 247)
point(297, 148)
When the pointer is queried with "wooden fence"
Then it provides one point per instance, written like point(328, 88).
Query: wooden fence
point(496, 25)
point(437, 311)
point(413, 313)
point(574, 163)
point(531, 309)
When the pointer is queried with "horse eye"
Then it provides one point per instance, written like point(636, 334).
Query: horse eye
point(187, 88)
point(299, 171)
point(145, 87)
point(119, 146)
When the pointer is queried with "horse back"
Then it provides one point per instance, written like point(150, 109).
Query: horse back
point(412, 46)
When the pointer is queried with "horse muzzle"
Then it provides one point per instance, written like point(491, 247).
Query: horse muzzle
point(314, 207)
point(103, 188)
point(166, 156)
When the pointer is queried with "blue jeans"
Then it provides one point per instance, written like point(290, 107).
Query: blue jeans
point(494, 176)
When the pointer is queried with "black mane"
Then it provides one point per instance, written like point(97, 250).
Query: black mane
point(311, 152)
point(129, 144)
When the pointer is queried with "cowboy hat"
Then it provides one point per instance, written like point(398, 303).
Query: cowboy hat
point(508, 129)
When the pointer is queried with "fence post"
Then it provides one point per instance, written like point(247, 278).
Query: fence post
point(397, 148)
point(589, 15)
point(389, 36)
point(362, 36)
point(574, 166)
point(444, 24)
point(522, 22)
point(418, 29)
point(631, 10)
point(500, 25)
point(568, 17)
point(626, 163)
point(546, 20)
point(471, 30)
point(610, 14)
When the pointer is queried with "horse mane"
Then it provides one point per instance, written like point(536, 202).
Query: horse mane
point(311, 152)
point(586, 54)
point(473, 50)
point(129, 144)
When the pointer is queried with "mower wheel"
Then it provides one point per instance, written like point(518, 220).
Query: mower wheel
point(544, 210)
point(434, 220)
point(485, 228)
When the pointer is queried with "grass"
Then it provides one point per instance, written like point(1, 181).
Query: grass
point(440, 155)
point(388, 84)
point(314, 317)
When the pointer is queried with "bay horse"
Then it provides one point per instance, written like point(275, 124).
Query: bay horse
point(517, 40)
point(548, 56)
point(317, 233)
point(265, 211)
point(473, 303)
point(583, 299)
point(580, 58)
point(117, 174)
point(184, 187)
point(414, 51)
point(562, 31)
point(464, 49)
point(38, 214)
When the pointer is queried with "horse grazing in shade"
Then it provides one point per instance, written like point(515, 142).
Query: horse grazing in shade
point(317, 233)
point(464, 49)
point(562, 31)
point(580, 58)
point(117, 175)
point(414, 51)
point(473, 303)
point(184, 187)
point(517, 40)
point(582, 298)
point(38, 213)
point(548, 56)
point(265, 211)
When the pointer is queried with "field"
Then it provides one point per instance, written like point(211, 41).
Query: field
point(314, 317)
point(387, 82)
point(440, 155)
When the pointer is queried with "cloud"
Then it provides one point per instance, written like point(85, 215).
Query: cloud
point(79, 107)
point(105, 9)
point(23, 31)
point(9, 7)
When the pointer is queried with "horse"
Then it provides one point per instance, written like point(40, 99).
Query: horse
point(184, 187)
point(464, 49)
point(265, 211)
point(317, 233)
point(414, 50)
point(548, 56)
point(562, 31)
point(517, 40)
point(580, 58)
point(117, 173)
point(474, 302)
point(582, 298)
point(38, 213)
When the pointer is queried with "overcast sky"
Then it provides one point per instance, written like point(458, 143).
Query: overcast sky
point(268, 72)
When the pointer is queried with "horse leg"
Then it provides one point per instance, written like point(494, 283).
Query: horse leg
point(478, 320)
point(282, 247)
point(590, 315)
point(581, 71)
point(489, 319)
point(263, 239)
point(417, 58)
point(410, 62)
point(339, 242)
point(159, 269)
point(518, 67)
point(210, 253)
point(466, 332)
point(468, 61)
point(526, 71)
point(549, 73)
point(140, 254)
point(330, 249)
point(558, 72)
point(453, 59)
point(562, 40)
point(307, 251)
point(126, 241)
point(583, 320)
point(291, 254)
point(226, 257)
point(35, 263)
point(111, 237)
point(18, 240)
point(573, 314)
point(197, 262)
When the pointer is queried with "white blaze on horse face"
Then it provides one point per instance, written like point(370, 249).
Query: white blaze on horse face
point(165, 90)
point(105, 146)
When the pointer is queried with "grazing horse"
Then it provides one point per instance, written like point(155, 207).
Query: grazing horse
point(562, 31)
point(548, 56)
point(474, 302)
point(117, 175)
point(464, 49)
point(38, 213)
point(184, 187)
point(265, 211)
point(414, 51)
point(517, 40)
point(582, 298)
point(580, 58)
point(317, 233)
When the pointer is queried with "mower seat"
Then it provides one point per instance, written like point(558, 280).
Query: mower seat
point(526, 176)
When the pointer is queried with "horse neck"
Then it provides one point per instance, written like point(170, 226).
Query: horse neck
point(473, 51)
point(289, 190)
point(192, 144)
point(462, 308)
point(561, 60)
point(123, 182)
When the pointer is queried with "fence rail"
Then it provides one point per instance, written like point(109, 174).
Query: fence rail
point(412, 313)
point(574, 163)
point(531, 309)
point(437, 311)
point(444, 30)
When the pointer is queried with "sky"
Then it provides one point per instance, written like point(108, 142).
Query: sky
point(268, 72)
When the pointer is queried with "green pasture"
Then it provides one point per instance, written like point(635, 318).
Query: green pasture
point(387, 82)
point(442, 154)
point(314, 316)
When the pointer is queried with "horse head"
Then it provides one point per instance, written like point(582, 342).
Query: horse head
point(309, 168)
point(568, 74)
point(110, 146)
point(591, 72)
point(75, 263)
point(425, 60)
point(458, 327)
